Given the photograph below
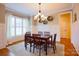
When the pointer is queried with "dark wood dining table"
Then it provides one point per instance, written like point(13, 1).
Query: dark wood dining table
point(45, 38)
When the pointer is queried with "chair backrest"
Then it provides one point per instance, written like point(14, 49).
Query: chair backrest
point(55, 35)
point(26, 35)
point(46, 33)
point(35, 37)
point(39, 32)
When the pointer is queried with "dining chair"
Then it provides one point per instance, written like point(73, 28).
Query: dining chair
point(37, 43)
point(49, 40)
point(39, 32)
point(46, 33)
point(28, 40)
point(54, 43)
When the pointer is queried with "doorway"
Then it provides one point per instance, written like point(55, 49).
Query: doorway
point(65, 26)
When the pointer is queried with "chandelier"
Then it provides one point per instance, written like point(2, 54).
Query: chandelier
point(40, 17)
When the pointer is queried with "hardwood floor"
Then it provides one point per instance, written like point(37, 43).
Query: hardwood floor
point(4, 52)
point(69, 49)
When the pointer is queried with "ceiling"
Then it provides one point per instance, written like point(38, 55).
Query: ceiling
point(32, 8)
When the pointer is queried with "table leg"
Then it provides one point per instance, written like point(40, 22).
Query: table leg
point(46, 47)
point(51, 41)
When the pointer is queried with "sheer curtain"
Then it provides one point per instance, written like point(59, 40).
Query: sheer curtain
point(17, 26)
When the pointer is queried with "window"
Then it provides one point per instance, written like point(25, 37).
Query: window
point(11, 26)
point(25, 25)
point(17, 26)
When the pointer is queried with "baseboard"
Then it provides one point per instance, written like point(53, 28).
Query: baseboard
point(15, 43)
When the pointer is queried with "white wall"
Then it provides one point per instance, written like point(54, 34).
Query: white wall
point(75, 28)
point(2, 36)
point(52, 28)
point(2, 27)
point(75, 35)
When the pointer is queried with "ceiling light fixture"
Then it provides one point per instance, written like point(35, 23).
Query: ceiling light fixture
point(40, 17)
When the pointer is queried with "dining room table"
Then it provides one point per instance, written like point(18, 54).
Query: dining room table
point(45, 38)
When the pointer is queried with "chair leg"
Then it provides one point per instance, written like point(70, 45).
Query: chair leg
point(33, 48)
point(26, 46)
point(30, 47)
point(44, 48)
point(40, 51)
point(54, 48)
